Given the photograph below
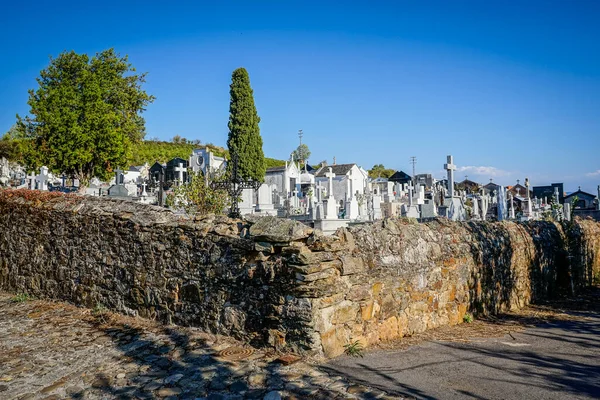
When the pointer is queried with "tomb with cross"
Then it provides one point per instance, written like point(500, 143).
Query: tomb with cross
point(331, 207)
point(31, 181)
point(450, 168)
point(118, 189)
point(42, 178)
point(179, 170)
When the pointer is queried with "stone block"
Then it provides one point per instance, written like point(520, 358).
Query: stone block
point(328, 273)
point(334, 340)
point(388, 329)
point(265, 247)
point(273, 229)
point(369, 310)
point(352, 265)
point(344, 312)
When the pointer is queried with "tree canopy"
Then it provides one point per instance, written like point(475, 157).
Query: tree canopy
point(244, 138)
point(302, 153)
point(379, 171)
point(85, 114)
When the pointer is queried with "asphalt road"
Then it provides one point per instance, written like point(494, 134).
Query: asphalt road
point(555, 360)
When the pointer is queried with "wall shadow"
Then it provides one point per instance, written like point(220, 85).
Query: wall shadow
point(173, 364)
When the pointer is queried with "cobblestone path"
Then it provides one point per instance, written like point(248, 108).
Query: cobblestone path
point(53, 350)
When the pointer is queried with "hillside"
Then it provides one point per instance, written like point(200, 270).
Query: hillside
point(152, 151)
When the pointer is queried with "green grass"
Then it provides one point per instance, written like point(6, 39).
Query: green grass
point(468, 318)
point(21, 298)
point(354, 349)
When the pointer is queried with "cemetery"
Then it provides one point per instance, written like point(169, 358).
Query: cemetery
point(292, 260)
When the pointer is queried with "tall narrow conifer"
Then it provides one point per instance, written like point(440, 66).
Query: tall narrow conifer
point(244, 134)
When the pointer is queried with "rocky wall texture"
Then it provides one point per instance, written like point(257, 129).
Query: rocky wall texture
point(277, 282)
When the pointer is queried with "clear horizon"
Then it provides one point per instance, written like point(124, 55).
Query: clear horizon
point(511, 91)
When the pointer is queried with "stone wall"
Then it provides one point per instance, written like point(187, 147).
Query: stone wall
point(276, 282)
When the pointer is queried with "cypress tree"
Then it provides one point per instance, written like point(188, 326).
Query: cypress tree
point(244, 134)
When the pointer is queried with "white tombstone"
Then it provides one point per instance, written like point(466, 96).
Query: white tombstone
point(421, 195)
point(319, 212)
point(377, 207)
point(179, 170)
point(556, 196)
point(42, 178)
point(331, 210)
point(410, 194)
point(144, 193)
point(485, 203)
point(294, 200)
point(450, 167)
point(512, 206)
point(501, 204)
point(265, 200)
point(567, 211)
point(352, 212)
point(246, 202)
point(410, 211)
point(475, 212)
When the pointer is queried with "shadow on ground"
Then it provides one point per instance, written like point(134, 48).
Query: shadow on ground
point(556, 356)
point(173, 364)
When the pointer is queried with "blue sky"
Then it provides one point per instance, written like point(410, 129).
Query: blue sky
point(511, 89)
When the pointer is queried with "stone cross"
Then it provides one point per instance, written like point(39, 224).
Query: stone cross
point(450, 167)
point(144, 193)
point(31, 179)
point(118, 173)
point(330, 175)
point(235, 186)
point(180, 171)
point(42, 178)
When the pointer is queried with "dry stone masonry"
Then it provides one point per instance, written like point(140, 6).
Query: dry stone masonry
point(276, 282)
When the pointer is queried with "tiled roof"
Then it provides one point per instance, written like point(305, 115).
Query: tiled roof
point(337, 169)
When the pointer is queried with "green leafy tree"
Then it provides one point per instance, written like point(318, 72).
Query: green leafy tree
point(244, 134)
point(302, 153)
point(9, 144)
point(379, 171)
point(197, 197)
point(85, 114)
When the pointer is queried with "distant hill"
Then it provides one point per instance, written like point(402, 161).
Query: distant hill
point(151, 151)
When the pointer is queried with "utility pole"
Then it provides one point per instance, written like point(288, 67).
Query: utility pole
point(300, 155)
point(413, 161)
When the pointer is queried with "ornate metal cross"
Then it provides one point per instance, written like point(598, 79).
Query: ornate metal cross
point(234, 187)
